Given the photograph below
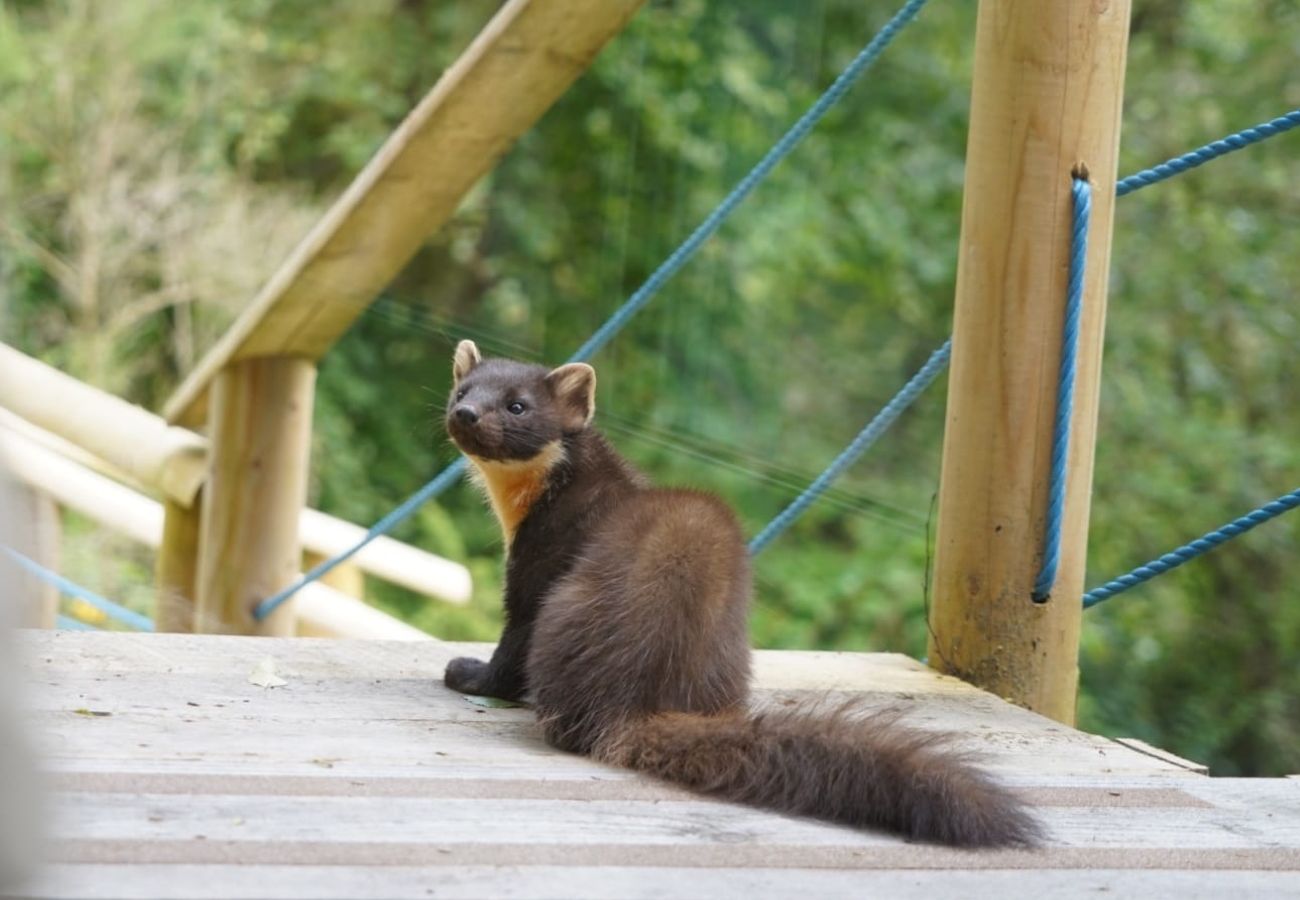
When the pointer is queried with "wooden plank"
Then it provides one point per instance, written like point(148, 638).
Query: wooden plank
point(363, 767)
point(372, 707)
point(619, 785)
point(148, 702)
point(83, 816)
point(889, 854)
point(458, 882)
point(1047, 94)
point(482, 746)
point(519, 65)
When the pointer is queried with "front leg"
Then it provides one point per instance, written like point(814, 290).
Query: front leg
point(504, 677)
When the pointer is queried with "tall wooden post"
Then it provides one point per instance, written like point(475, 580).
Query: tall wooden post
point(1047, 95)
point(260, 432)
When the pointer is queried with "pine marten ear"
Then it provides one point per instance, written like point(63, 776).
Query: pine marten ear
point(466, 358)
point(574, 388)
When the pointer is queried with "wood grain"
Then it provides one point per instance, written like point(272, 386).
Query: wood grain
point(248, 540)
point(1048, 89)
point(363, 776)
point(605, 882)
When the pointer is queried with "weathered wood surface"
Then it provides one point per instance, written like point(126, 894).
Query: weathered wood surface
point(249, 546)
point(364, 777)
point(519, 65)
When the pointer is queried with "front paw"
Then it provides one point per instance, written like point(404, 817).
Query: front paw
point(467, 675)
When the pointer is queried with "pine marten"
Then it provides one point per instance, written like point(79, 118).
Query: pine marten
point(626, 612)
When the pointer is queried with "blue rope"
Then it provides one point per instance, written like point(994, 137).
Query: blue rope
point(780, 150)
point(72, 589)
point(673, 264)
point(1202, 155)
point(1082, 192)
point(445, 479)
point(937, 362)
point(67, 623)
point(1187, 552)
point(1082, 195)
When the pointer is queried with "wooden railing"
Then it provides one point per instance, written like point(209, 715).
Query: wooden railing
point(254, 390)
point(229, 523)
point(73, 446)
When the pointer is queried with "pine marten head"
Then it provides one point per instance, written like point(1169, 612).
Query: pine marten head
point(506, 411)
point(510, 419)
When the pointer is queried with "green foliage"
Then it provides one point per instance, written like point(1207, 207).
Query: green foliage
point(158, 161)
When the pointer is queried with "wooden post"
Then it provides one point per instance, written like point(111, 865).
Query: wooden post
point(176, 566)
point(260, 430)
point(38, 532)
point(1047, 94)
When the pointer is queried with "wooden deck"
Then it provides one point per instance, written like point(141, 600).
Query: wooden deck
point(362, 776)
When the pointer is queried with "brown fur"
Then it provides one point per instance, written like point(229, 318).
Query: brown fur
point(626, 613)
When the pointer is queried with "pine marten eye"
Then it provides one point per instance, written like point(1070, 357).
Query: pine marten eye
point(460, 394)
point(516, 408)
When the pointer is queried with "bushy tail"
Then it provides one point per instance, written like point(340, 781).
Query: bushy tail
point(840, 766)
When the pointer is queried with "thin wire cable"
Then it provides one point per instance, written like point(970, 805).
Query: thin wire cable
point(1202, 155)
point(937, 362)
point(1188, 552)
point(675, 261)
point(1082, 194)
point(777, 477)
point(76, 591)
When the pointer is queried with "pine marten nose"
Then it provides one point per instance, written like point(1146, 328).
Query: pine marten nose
point(465, 414)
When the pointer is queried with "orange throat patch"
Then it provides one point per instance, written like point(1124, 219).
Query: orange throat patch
point(513, 487)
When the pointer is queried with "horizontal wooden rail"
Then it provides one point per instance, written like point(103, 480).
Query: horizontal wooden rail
point(128, 512)
point(518, 66)
point(393, 561)
point(322, 611)
point(169, 460)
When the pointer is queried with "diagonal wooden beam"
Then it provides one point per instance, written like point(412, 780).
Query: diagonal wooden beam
point(518, 66)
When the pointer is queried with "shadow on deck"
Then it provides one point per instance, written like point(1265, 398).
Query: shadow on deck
point(362, 776)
